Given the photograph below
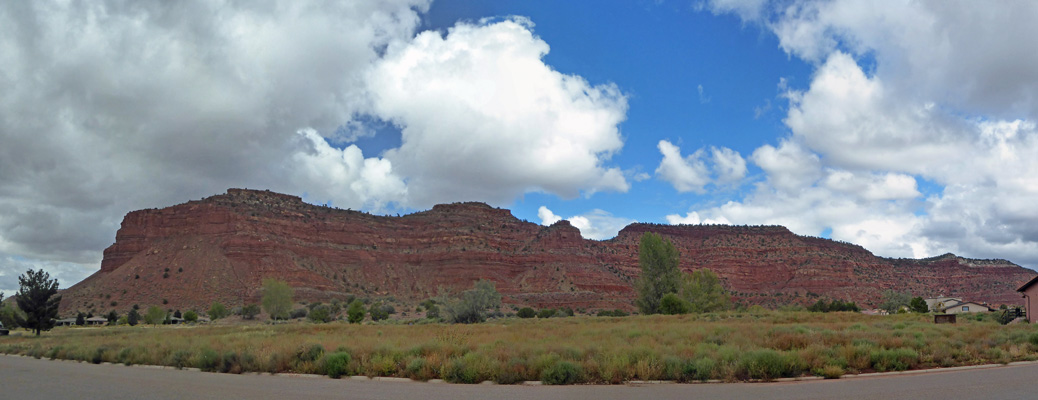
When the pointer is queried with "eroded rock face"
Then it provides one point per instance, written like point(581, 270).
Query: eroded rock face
point(222, 248)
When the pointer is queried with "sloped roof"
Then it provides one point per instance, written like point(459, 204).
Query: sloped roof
point(1028, 284)
point(963, 303)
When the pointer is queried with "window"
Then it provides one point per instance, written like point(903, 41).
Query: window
point(965, 308)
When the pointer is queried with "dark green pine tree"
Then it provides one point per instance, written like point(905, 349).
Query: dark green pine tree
point(38, 298)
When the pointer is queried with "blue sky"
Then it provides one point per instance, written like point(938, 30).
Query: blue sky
point(909, 129)
point(660, 55)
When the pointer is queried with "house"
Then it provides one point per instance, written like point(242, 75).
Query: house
point(96, 321)
point(65, 322)
point(961, 307)
point(1030, 292)
point(937, 303)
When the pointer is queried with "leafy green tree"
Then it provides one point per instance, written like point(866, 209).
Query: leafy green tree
point(703, 291)
point(250, 311)
point(894, 301)
point(660, 275)
point(355, 312)
point(11, 316)
point(917, 304)
point(191, 316)
point(154, 315)
point(112, 317)
point(277, 298)
point(80, 319)
point(673, 304)
point(217, 311)
point(474, 304)
point(38, 298)
point(526, 312)
point(133, 318)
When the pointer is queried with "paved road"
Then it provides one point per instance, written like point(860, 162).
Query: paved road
point(27, 378)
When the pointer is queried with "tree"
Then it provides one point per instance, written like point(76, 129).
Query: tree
point(217, 311)
point(355, 312)
point(671, 303)
point(133, 317)
point(80, 319)
point(658, 260)
point(191, 316)
point(154, 315)
point(703, 290)
point(38, 299)
point(250, 311)
point(112, 317)
point(277, 298)
point(11, 316)
point(894, 301)
point(473, 304)
point(526, 312)
point(917, 304)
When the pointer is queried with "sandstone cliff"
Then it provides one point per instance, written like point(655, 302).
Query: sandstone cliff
point(222, 247)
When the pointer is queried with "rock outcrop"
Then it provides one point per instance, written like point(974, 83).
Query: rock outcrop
point(222, 248)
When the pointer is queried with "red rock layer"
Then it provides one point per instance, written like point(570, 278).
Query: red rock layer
point(223, 247)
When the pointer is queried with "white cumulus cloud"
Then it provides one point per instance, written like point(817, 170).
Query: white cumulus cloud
point(484, 118)
point(595, 224)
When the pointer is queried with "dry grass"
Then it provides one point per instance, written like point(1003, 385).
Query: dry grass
point(727, 346)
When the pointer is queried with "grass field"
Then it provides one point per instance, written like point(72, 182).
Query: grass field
point(736, 346)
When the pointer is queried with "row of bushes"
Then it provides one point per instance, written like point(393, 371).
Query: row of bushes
point(723, 346)
point(719, 362)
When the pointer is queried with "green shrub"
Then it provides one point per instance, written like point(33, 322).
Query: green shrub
point(297, 313)
point(526, 312)
point(217, 311)
point(231, 363)
point(336, 364)
point(516, 370)
point(1033, 339)
point(830, 372)
point(898, 359)
point(191, 316)
point(320, 314)
point(207, 360)
point(560, 373)
point(310, 352)
point(546, 313)
point(701, 369)
point(355, 312)
point(768, 364)
point(99, 354)
point(672, 304)
point(179, 359)
point(470, 368)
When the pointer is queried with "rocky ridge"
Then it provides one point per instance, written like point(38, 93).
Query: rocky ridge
point(221, 249)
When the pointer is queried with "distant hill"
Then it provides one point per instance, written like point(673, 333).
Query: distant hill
point(222, 247)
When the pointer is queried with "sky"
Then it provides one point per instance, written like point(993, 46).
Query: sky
point(908, 127)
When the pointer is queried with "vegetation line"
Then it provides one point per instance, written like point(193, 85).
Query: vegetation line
point(728, 346)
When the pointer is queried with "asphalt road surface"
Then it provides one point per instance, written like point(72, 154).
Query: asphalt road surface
point(28, 378)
